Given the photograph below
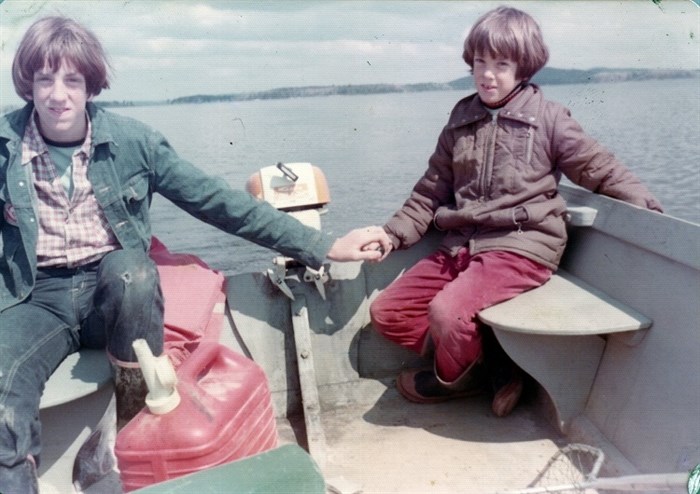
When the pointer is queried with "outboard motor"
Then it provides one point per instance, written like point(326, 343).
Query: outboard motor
point(301, 190)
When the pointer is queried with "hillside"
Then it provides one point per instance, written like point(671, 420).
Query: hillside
point(545, 77)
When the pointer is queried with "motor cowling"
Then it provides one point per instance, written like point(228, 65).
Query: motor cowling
point(300, 189)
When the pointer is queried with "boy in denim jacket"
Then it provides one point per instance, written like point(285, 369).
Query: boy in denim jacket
point(76, 183)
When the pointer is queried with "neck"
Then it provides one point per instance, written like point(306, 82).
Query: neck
point(510, 96)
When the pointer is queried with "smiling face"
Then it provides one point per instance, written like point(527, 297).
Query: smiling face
point(494, 77)
point(60, 97)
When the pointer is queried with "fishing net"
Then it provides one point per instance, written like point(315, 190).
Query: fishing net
point(574, 469)
point(569, 470)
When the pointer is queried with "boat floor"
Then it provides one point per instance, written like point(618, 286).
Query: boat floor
point(392, 445)
point(383, 444)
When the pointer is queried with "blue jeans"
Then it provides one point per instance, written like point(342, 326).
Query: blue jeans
point(105, 305)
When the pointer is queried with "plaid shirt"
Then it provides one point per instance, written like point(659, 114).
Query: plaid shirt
point(72, 232)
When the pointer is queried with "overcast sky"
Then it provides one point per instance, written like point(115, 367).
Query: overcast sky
point(162, 49)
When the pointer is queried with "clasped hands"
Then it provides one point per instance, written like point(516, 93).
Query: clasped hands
point(362, 244)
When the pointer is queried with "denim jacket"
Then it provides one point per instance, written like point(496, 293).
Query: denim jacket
point(130, 162)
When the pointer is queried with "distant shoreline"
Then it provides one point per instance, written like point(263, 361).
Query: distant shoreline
point(545, 77)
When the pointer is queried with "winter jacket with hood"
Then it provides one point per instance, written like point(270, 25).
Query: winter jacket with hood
point(492, 181)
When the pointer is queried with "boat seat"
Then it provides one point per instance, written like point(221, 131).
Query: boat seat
point(557, 334)
point(79, 375)
point(285, 469)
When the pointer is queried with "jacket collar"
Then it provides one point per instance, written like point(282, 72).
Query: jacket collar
point(523, 108)
point(101, 131)
point(13, 124)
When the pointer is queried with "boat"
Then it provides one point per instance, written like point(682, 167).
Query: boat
point(331, 376)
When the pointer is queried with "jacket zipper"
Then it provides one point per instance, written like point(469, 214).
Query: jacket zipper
point(488, 164)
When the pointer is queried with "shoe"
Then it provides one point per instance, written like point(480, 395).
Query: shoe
point(508, 395)
point(423, 386)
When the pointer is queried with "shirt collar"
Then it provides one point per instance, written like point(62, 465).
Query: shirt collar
point(33, 145)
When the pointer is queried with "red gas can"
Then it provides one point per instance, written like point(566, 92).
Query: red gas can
point(225, 413)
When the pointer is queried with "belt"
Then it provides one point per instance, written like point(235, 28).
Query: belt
point(56, 271)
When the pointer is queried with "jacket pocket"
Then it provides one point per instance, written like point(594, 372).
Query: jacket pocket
point(538, 213)
point(137, 201)
point(135, 193)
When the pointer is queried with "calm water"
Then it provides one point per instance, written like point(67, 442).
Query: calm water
point(373, 148)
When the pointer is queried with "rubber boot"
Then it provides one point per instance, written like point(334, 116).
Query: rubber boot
point(20, 479)
point(507, 379)
point(472, 378)
point(95, 460)
point(130, 390)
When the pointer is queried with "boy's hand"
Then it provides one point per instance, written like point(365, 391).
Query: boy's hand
point(376, 246)
point(363, 244)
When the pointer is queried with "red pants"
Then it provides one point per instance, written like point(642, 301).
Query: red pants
point(441, 296)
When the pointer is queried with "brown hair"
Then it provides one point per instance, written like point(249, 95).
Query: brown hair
point(509, 33)
point(51, 40)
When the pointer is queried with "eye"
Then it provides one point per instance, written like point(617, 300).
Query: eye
point(74, 81)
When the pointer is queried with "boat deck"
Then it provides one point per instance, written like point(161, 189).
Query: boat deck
point(392, 445)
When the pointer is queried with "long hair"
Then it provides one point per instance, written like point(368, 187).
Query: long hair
point(49, 42)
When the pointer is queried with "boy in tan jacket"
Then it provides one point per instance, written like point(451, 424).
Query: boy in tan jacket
point(491, 185)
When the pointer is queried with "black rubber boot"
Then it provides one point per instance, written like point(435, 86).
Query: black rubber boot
point(130, 390)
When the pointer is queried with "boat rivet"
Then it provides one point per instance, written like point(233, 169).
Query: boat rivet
point(305, 354)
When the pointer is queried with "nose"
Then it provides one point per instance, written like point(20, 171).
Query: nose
point(58, 91)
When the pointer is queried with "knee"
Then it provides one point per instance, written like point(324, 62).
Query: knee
point(380, 313)
point(448, 315)
point(131, 269)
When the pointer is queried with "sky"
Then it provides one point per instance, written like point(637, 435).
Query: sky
point(164, 49)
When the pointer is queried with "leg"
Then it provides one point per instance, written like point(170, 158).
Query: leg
point(400, 312)
point(127, 305)
point(34, 339)
point(489, 278)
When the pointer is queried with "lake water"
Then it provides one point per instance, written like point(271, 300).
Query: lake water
point(373, 148)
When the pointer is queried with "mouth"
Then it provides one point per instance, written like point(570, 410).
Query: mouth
point(57, 112)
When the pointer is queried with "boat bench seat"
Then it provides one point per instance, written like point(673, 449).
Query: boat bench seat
point(79, 375)
point(287, 468)
point(557, 333)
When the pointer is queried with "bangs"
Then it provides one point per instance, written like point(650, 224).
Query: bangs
point(76, 52)
point(499, 44)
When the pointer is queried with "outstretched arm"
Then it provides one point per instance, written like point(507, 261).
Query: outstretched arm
point(354, 245)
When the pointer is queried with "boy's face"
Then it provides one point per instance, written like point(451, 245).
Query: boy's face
point(60, 98)
point(494, 77)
